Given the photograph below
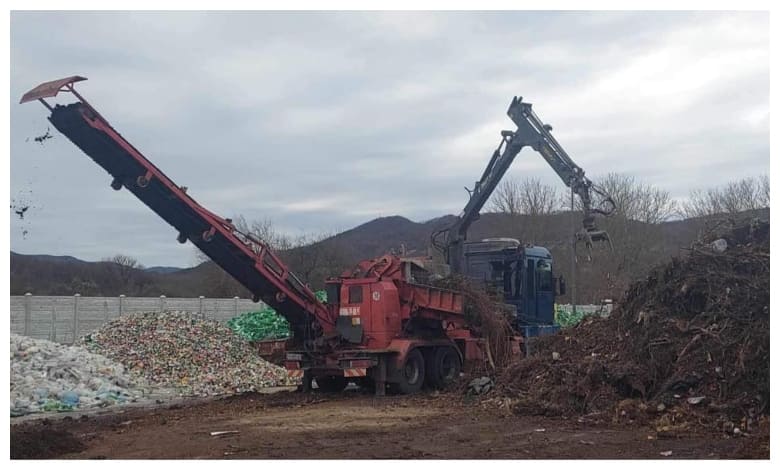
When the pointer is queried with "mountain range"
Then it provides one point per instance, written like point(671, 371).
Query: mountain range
point(635, 248)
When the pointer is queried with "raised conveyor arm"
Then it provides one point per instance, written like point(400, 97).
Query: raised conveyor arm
point(249, 260)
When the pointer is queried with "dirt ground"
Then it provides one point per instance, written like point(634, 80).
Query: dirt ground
point(353, 425)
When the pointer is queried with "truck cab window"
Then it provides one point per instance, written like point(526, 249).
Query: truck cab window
point(544, 273)
point(355, 294)
point(332, 293)
point(530, 277)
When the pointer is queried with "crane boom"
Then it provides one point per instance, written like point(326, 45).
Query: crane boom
point(531, 132)
point(248, 259)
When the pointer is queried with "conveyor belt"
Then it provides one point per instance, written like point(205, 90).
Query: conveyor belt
point(249, 261)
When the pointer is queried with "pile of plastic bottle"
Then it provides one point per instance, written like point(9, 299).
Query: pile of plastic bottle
point(47, 376)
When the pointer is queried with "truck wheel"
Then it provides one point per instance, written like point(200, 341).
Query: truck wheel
point(331, 383)
point(412, 374)
point(443, 367)
point(367, 383)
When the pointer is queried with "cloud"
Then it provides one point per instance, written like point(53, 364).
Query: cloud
point(324, 120)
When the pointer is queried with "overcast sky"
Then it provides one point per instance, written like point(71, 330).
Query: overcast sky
point(323, 121)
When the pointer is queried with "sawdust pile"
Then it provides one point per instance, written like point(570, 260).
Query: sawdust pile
point(691, 338)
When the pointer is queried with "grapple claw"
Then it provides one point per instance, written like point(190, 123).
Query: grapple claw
point(589, 237)
point(600, 236)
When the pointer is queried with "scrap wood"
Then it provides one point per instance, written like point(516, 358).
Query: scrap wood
point(695, 327)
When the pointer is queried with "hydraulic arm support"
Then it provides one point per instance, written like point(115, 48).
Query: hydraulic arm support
point(533, 133)
point(247, 259)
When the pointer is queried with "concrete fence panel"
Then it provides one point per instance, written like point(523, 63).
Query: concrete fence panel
point(66, 318)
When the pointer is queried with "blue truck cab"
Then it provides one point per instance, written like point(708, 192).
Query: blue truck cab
point(521, 274)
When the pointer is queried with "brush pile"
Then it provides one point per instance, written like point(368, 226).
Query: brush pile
point(486, 316)
point(690, 339)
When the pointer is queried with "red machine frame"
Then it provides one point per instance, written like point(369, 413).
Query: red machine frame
point(375, 336)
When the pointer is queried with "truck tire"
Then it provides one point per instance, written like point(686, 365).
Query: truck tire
point(331, 383)
point(443, 367)
point(412, 374)
point(367, 383)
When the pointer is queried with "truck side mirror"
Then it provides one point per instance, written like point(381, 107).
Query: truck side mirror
point(561, 286)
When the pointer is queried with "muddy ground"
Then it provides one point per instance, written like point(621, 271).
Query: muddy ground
point(353, 425)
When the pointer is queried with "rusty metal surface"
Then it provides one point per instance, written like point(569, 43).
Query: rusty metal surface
point(49, 89)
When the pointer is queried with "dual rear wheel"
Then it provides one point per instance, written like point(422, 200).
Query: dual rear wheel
point(331, 383)
point(443, 366)
point(438, 367)
point(412, 374)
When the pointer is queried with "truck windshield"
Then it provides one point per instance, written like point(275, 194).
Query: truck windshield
point(544, 273)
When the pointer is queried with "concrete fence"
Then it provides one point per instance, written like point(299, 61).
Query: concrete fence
point(66, 318)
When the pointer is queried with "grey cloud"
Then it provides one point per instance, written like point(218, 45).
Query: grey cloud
point(322, 121)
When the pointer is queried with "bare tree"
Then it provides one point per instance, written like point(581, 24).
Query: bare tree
point(735, 196)
point(702, 203)
point(262, 229)
point(124, 267)
point(537, 198)
point(638, 201)
point(265, 230)
point(506, 198)
point(764, 193)
point(653, 205)
point(308, 255)
point(126, 261)
point(314, 257)
point(528, 196)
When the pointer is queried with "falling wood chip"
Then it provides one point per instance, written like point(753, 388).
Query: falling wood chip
point(222, 433)
point(233, 452)
point(666, 453)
